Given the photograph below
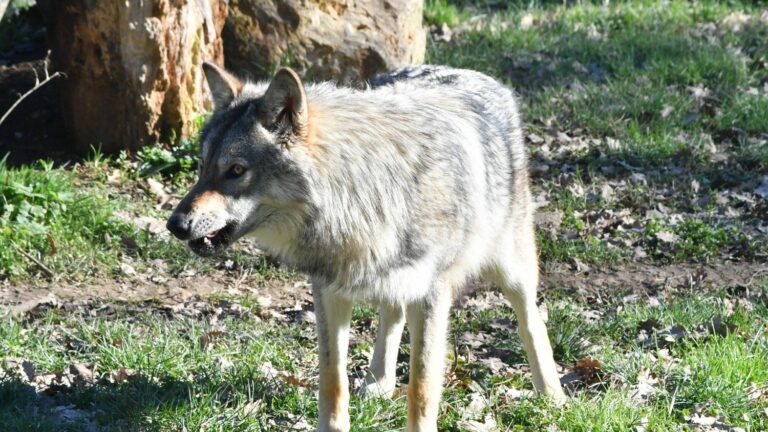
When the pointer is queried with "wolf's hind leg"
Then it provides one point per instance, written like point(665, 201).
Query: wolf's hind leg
point(518, 276)
point(333, 316)
point(381, 378)
point(428, 327)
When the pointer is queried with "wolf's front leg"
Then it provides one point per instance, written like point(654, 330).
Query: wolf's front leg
point(381, 378)
point(333, 317)
point(428, 326)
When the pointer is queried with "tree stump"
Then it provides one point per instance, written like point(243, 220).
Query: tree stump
point(133, 68)
point(343, 40)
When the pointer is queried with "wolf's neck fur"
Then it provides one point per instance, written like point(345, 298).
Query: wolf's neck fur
point(359, 160)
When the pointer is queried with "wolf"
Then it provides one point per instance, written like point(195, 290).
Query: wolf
point(395, 194)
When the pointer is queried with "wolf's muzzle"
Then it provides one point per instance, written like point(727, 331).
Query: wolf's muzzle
point(180, 226)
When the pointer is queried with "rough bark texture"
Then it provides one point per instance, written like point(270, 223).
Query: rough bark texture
point(344, 40)
point(133, 67)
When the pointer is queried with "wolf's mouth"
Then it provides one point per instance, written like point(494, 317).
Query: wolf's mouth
point(213, 242)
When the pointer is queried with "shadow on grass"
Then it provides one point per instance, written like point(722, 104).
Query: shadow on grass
point(139, 403)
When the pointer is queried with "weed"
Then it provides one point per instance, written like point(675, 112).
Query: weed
point(156, 159)
point(42, 213)
point(693, 239)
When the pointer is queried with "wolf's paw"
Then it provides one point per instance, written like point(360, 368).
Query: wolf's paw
point(373, 388)
point(557, 396)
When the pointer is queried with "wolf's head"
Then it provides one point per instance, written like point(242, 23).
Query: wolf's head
point(248, 179)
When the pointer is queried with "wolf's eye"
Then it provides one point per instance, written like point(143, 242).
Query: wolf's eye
point(236, 170)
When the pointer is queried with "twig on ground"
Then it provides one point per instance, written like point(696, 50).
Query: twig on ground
point(37, 262)
point(752, 278)
point(38, 84)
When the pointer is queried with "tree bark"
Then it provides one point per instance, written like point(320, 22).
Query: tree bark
point(133, 68)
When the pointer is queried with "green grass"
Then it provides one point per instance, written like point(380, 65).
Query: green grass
point(611, 70)
point(438, 12)
point(65, 220)
point(660, 79)
point(697, 240)
point(629, 71)
point(225, 385)
point(45, 215)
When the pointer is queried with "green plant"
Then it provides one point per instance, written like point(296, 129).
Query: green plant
point(438, 12)
point(43, 215)
point(156, 159)
point(692, 239)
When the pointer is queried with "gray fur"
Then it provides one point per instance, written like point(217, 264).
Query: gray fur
point(395, 194)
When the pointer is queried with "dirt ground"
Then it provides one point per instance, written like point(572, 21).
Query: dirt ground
point(631, 283)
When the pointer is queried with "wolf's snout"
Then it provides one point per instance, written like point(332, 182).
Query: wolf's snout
point(180, 226)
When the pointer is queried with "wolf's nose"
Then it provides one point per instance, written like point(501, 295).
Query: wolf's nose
point(179, 226)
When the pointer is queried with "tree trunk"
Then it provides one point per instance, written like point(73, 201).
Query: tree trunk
point(133, 74)
point(341, 40)
point(3, 7)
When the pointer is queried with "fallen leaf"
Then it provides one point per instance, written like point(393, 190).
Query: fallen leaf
point(474, 339)
point(647, 385)
point(224, 363)
point(495, 364)
point(666, 337)
point(487, 425)
point(719, 327)
point(578, 266)
point(703, 420)
point(699, 91)
point(295, 381)
point(121, 375)
point(305, 317)
point(477, 404)
point(23, 368)
point(512, 394)
point(269, 371)
point(129, 243)
point(161, 196)
point(527, 21)
point(667, 236)
point(127, 269)
point(51, 244)
point(207, 339)
point(534, 139)
point(736, 21)
point(82, 374)
point(589, 371)
point(252, 408)
point(482, 300)
point(695, 186)
point(114, 177)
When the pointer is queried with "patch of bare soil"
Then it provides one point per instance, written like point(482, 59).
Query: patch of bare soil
point(584, 284)
point(645, 279)
point(274, 293)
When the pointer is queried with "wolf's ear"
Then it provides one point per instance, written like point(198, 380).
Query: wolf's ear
point(285, 100)
point(224, 86)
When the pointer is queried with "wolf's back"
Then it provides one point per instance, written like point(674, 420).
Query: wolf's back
point(494, 110)
point(431, 168)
